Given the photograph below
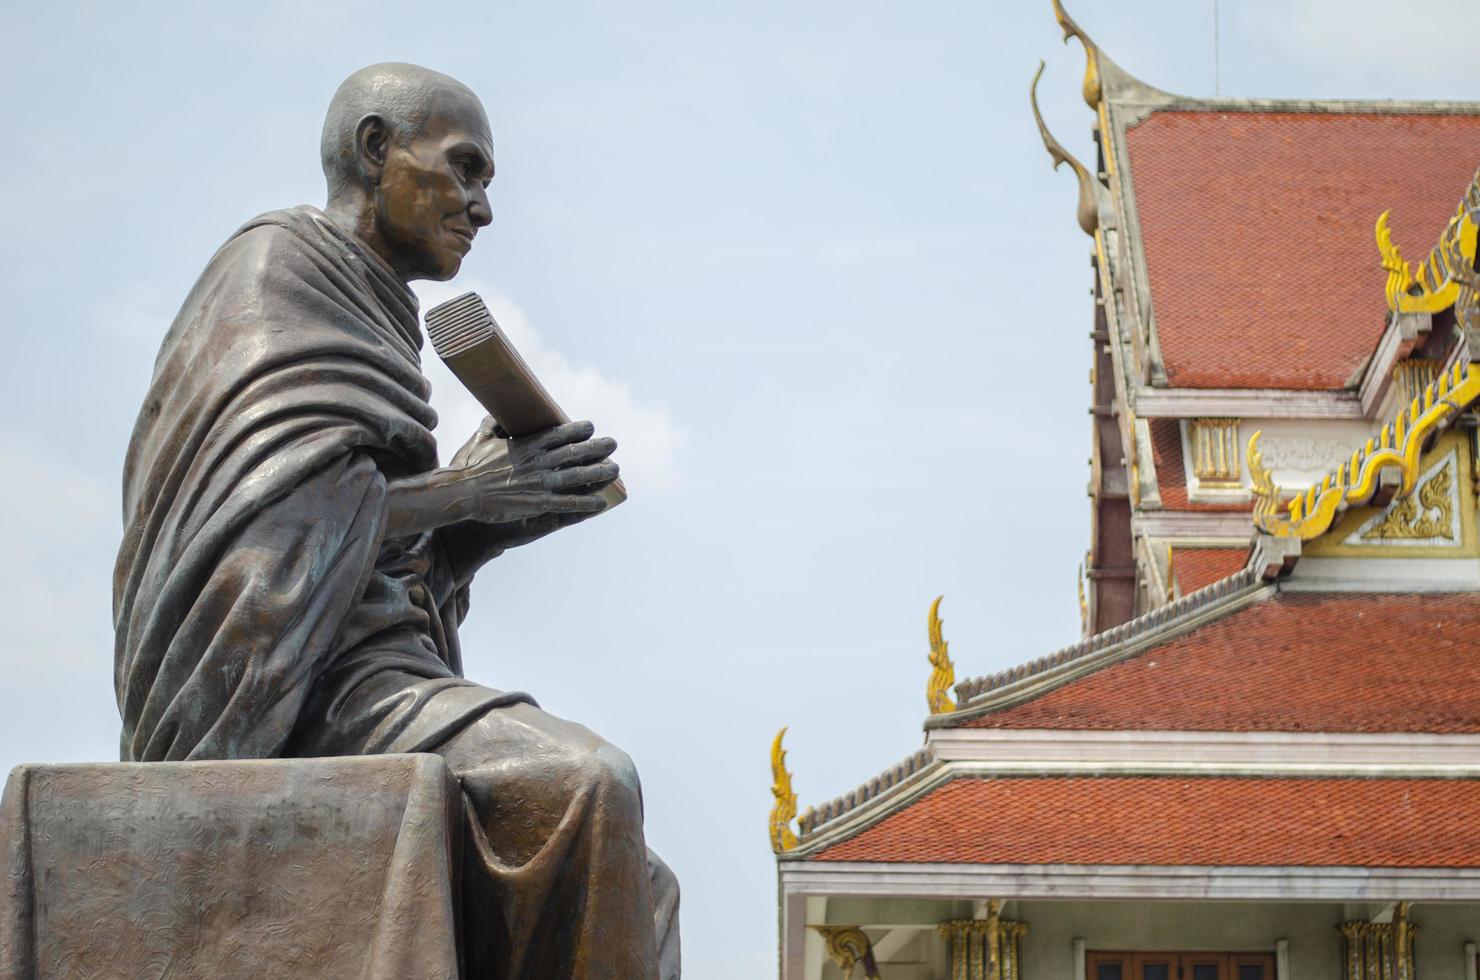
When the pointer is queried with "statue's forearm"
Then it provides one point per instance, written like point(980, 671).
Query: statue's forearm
point(428, 501)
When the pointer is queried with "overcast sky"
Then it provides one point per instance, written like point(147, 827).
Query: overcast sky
point(806, 261)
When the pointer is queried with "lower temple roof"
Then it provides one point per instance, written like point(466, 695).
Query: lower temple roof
point(1293, 662)
point(1180, 821)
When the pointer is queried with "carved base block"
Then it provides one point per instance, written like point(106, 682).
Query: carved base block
point(321, 868)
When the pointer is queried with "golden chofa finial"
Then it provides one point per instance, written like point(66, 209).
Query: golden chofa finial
point(783, 838)
point(1088, 211)
point(1092, 88)
point(942, 672)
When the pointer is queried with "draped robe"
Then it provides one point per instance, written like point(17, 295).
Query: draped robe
point(259, 609)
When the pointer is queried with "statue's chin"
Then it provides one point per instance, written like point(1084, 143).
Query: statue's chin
point(446, 272)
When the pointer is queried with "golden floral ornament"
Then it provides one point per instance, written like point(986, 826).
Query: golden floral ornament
point(1398, 446)
point(942, 671)
point(1427, 515)
point(784, 809)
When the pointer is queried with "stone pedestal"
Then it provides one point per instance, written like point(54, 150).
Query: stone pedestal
point(322, 868)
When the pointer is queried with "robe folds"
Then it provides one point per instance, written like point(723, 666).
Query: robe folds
point(259, 610)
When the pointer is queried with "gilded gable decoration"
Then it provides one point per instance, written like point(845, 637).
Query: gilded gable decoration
point(1437, 520)
point(1428, 514)
point(1448, 270)
point(1215, 453)
point(783, 838)
point(1399, 446)
point(942, 670)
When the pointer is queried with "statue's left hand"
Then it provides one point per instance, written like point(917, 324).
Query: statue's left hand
point(486, 440)
point(476, 542)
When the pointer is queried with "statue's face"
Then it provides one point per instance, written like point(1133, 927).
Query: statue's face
point(432, 197)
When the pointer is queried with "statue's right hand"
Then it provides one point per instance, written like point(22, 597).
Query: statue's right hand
point(558, 471)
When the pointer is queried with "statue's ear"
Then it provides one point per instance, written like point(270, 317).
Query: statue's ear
point(371, 140)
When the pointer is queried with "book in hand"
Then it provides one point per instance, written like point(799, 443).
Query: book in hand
point(470, 343)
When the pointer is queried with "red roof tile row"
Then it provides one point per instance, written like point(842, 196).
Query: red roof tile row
point(1167, 820)
point(1194, 568)
point(1257, 229)
point(1297, 662)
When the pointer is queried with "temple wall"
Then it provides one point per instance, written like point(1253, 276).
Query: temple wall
point(1048, 948)
point(1309, 929)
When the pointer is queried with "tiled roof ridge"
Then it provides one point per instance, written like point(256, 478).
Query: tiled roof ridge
point(1313, 106)
point(810, 821)
point(1158, 619)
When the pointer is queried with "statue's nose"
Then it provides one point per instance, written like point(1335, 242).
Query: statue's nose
point(479, 211)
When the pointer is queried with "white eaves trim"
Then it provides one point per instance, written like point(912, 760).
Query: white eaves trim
point(1265, 753)
point(1232, 527)
point(1111, 881)
point(1261, 403)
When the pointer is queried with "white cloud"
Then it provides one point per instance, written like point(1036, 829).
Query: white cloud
point(650, 441)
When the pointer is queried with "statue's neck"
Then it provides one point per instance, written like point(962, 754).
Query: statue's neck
point(354, 214)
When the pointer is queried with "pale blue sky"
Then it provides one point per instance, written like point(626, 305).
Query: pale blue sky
point(807, 260)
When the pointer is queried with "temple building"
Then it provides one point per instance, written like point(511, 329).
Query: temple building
point(1262, 761)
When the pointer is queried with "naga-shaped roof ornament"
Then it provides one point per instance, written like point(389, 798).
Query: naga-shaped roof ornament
point(1397, 447)
point(943, 672)
point(1087, 211)
point(783, 838)
point(1447, 277)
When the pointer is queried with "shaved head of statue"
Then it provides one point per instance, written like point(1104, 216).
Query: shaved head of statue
point(408, 154)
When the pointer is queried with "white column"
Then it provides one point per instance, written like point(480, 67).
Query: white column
point(815, 946)
point(1078, 959)
point(1282, 959)
point(1470, 961)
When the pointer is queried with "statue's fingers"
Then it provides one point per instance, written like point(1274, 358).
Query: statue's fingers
point(581, 476)
point(590, 451)
point(562, 435)
point(574, 503)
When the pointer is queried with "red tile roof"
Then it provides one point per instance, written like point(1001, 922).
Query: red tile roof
point(1257, 229)
point(1194, 568)
point(1171, 476)
point(1171, 820)
point(1299, 661)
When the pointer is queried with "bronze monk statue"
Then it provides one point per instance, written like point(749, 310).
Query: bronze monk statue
point(295, 563)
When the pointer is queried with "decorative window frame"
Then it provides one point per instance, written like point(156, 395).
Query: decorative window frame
point(1213, 460)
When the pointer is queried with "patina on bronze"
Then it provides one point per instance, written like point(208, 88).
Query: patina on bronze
point(295, 563)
